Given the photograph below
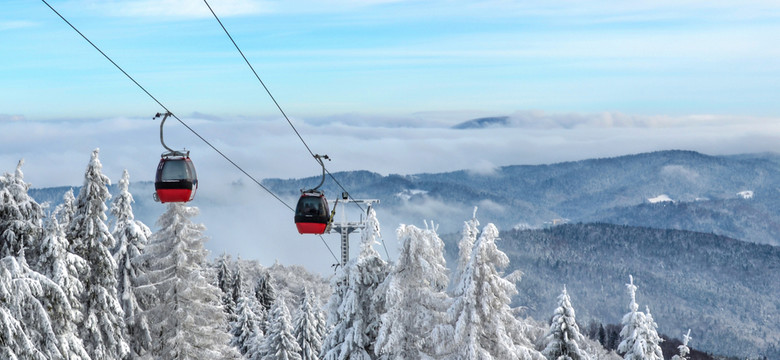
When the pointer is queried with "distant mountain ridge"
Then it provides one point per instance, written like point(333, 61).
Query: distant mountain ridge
point(496, 121)
point(706, 193)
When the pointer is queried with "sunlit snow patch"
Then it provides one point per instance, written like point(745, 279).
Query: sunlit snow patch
point(660, 198)
point(747, 194)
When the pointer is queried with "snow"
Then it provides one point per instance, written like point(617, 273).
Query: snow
point(747, 194)
point(660, 198)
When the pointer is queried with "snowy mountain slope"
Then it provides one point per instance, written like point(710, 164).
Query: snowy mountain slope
point(723, 289)
point(608, 190)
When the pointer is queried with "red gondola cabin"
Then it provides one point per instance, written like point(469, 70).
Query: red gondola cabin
point(312, 215)
point(176, 180)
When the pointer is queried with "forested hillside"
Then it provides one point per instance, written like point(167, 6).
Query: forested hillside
point(723, 289)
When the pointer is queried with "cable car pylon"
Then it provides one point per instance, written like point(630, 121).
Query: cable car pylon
point(176, 179)
point(344, 227)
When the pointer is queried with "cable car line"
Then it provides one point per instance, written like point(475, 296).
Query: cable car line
point(325, 170)
point(177, 118)
point(268, 91)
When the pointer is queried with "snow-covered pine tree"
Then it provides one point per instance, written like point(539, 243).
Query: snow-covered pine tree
point(264, 291)
point(484, 326)
point(352, 316)
point(102, 326)
point(563, 338)
point(653, 351)
point(684, 349)
point(465, 245)
point(638, 334)
point(20, 218)
point(131, 237)
point(245, 329)
point(34, 311)
point(68, 208)
point(225, 284)
point(415, 297)
point(63, 267)
point(183, 309)
point(279, 342)
point(236, 292)
point(306, 327)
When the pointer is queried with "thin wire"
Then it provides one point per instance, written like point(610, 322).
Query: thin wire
point(177, 118)
point(281, 110)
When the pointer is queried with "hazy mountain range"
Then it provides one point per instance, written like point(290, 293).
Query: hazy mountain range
point(698, 232)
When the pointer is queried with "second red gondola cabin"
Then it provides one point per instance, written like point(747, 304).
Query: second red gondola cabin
point(176, 180)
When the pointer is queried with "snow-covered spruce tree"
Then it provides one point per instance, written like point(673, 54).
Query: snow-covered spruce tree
point(279, 342)
point(306, 327)
point(245, 329)
point(484, 326)
point(67, 209)
point(131, 237)
point(225, 284)
point(34, 311)
point(684, 350)
point(465, 245)
point(236, 292)
point(563, 338)
point(637, 335)
point(415, 297)
point(102, 326)
point(20, 218)
point(654, 351)
point(183, 309)
point(63, 267)
point(264, 291)
point(352, 316)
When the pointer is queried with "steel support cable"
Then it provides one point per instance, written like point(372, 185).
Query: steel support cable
point(268, 91)
point(177, 118)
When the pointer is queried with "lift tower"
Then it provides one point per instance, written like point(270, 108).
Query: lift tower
point(345, 227)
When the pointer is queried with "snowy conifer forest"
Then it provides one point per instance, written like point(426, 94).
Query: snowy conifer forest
point(86, 280)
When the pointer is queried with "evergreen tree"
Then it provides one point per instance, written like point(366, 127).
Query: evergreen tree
point(35, 313)
point(183, 309)
point(63, 267)
point(103, 325)
point(563, 338)
point(639, 338)
point(67, 210)
point(307, 327)
point(279, 343)
point(415, 297)
point(225, 284)
point(352, 316)
point(684, 349)
point(483, 326)
point(20, 218)
point(131, 237)
point(236, 291)
point(245, 329)
point(264, 291)
point(465, 245)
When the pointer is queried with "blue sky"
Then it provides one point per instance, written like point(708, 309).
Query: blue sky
point(324, 58)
